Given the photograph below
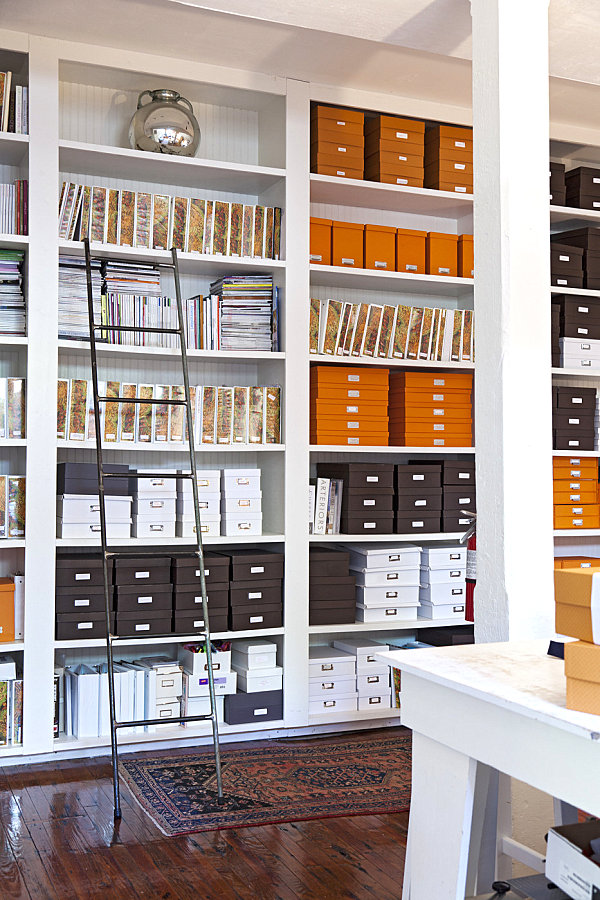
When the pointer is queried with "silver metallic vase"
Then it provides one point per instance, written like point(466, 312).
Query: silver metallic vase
point(164, 125)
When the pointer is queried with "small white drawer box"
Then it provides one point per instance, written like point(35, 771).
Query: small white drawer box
point(444, 557)
point(370, 556)
point(375, 701)
point(252, 682)
point(115, 531)
point(365, 652)
point(144, 527)
point(374, 683)
point(155, 507)
point(169, 682)
point(210, 527)
point(168, 710)
point(242, 506)
point(254, 654)
point(442, 611)
point(241, 483)
point(443, 593)
point(197, 685)
point(85, 508)
point(408, 595)
point(386, 613)
point(241, 524)
point(442, 576)
point(208, 504)
point(200, 706)
point(152, 487)
point(326, 662)
point(196, 664)
point(386, 577)
point(208, 481)
point(331, 705)
point(334, 687)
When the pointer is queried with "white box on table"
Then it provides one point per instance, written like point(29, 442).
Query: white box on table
point(329, 662)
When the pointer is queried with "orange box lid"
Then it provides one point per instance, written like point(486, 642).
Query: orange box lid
point(414, 125)
point(441, 236)
point(7, 584)
point(408, 232)
point(465, 238)
point(314, 221)
point(335, 112)
point(385, 228)
point(582, 661)
point(355, 225)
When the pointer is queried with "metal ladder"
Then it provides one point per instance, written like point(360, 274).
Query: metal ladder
point(108, 554)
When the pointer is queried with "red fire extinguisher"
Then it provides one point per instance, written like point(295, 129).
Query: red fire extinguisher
point(470, 538)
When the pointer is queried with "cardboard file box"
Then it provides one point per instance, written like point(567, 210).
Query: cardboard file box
point(252, 565)
point(355, 377)
point(85, 508)
point(573, 420)
point(333, 705)
point(565, 440)
point(82, 478)
point(115, 531)
point(327, 131)
point(447, 575)
point(350, 439)
point(193, 659)
point(458, 498)
point(356, 502)
point(371, 524)
point(254, 653)
point(411, 251)
point(577, 597)
point(378, 701)
point(159, 508)
point(582, 669)
point(380, 247)
point(360, 476)
point(347, 245)
point(567, 862)
point(458, 137)
point(385, 177)
point(426, 499)
point(339, 171)
point(331, 612)
point(323, 563)
point(564, 258)
point(197, 685)
point(574, 398)
point(79, 600)
point(466, 265)
point(265, 706)
point(395, 128)
point(342, 122)
point(187, 599)
point(320, 241)
point(184, 623)
point(575, 468)
point(207, 480)
point(334, 153)
point(441, 611)
point(208, 504)
point(251, 593)
point(83, 571)
point(147, 488)
point(167, 710)
point(415, 525)
point(331, 663)
point(385, 613)
point(246, 618)
point(409, 476)
point(566, 280)
point(441, 254)
point(241, 483)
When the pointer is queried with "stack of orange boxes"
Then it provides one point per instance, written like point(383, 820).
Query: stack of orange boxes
point(577, 596)
point(349, 405)
point(576, 502)
point(394, 150)
point(449, 159)
point(337, 143)
point(431, 410)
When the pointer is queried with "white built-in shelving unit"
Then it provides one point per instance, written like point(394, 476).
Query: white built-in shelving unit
point(254, 148)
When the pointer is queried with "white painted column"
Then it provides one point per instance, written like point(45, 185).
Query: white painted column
point(42, 371)
point(514, 597)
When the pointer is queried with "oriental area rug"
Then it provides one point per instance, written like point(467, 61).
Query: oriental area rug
point(275, 782)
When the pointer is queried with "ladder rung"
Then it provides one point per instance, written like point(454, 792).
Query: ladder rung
point(204, 718)
point(133, 474)
point(136, 329)
point(153, 401)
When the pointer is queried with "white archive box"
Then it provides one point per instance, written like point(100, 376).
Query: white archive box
point(365, 652)
point(167, 709)
point(441, 611)
point(241, 505)
point(456, 592)
point(375, 701)
point(168, 674)
point(442, 576)
point(208, 504)
point(407, 595)
point(373, 683)
point(200, 706)
point(567, 864)
point(85, 508)
point(333, 687)
point(385, 577)
point(330, 705)
point(330, 662)
point(197, 685)
point(250, 524)
point(373, 556)
point(162, 508)
point(251, 681)
point(386, 613)
point(444, 557)
point(208, 481)
point(210, 526)
point(579, 362)
point(253, 653)
point(145, 527)
point(115, 531)
point(196, 664)
point(152, 487)
point(241, 483)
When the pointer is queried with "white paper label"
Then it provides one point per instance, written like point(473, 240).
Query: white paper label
point(564, 258)
point(596, 180)
point(262, 711)
point(394, 557)
point(402, 135)
point(368, 503)
point(199, 623)
point(255, 595)
point(439, 426)
point(417, 524)
point(372, 479)
point(577, 511)
point(203, 482)
point(577, 523)
point(142, 627)
point(443, 270)
point(401, 180)
point(341, 149)
point(459, 189)
point(439, 382)
point(142, 574)
point(197, 572)
point(94, 508)
point(85, 602)
point(370, 659)
point(157, 527)
point(157, 482)
point(352, 409)
point(144, 599)
point(353, 393)
point(375, 700)
point(455, 574)
point(369, 524)
point(464, 475)
point(411, 268)
point(380, 264)
point(573, 421)
point(460, 166)
point(574, 497)
point(561, 281)
point(353, 440)
point(460, 144)
point(402, 158)
point(583, 331)
point(81, 626)
point(418, 478)
point(243, 481)
point(340, 123)
point(328, 703)
point(255, 619)
point(372, 679)
point(420, 502)
point(82, 576)
point(463, 500)
point(439, 412)
point(347, 261)
point(438, 442)
point(340, 172)
point(352, 424)
point(256, 570)
point(583, 309)
point(353, 378)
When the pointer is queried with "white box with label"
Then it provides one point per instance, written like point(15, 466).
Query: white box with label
point(331, 663)
point(567, 866)
point(208, 504)
point(169, 681)
point(167, 709)
point(196, 664)
point(145, 527)
point(334, 687)
point(373, 683)
point(388, 596)
point(253, 653)
point(241, 505)
point(210, 527)
point(331, 705)
point(162, 508)
point(365, 652)
point(244, 523)
point(154, 487)
point(387, 557)
point(115, 531)
point(386, 577)
point(444, 557)
point(386, 613)
point(442, 576)
point(85, 508)
point(208, 481)
point(241, 483)
point(441, 611)
point(197, 685)
point(251, 681)
point(443, 593)
point(375, 701)
point(200, 706)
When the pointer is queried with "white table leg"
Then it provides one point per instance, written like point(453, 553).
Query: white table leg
point(481, 871)
point(441, 812)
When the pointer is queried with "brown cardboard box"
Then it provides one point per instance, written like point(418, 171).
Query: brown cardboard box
point(392, 155)
point(326, 131)
point(465, 256)
point(453, 168)
point(433, 380)
point(348, 439)
point(401, 180)
point(438, 173)
point(435, 154)
point(452, 187)
point(350, 376)
point(458, 134)
point(441, 254)
point(346, 120)
point(411, 251)
point(582, 669)
point(336, 154)
point(577, 598)
point(320, 241)
point(347, 247)
point(380, 247)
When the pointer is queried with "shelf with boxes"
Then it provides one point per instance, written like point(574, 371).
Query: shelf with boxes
point(369, 628)
point(336, 191)
point(93, 643)
point(372, 279)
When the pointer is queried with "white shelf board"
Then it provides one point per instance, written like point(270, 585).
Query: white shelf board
point(572, 217)
point(177, 732)
point(580, 292)
point(13, 442)
point(123, 163)
point(384, 538)
point(410, 625)
point(170, 639)
point(11, 646)
point(13, 148)
point(12, 750)
point(342, 448)
point(390, 362)
point(359, 715)
point(173, 542)
point(576, 453)
point(153, 352)
point(578, 373)
point(375, 280)
point(189, 263)
point(573, 532)
point(170, 446)
point(12, 543)
point(400, 198)
point(14, 241)
point(13, 340)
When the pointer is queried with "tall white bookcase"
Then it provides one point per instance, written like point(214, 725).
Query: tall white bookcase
point(255, 147)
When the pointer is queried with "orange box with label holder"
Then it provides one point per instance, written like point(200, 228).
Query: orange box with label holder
point(380, 247)
point(434, 153)
point(579, 495)
point(426, 426)
point(437, 413)
point(320, 241)
point(583, 468)
point(7, 610)
point(588, 519)
point(347, 247)
point(334, 409)
point(432, 380)
point(394, 128)
point(338, 171)
point(325, 132)
point(344, 117)
point(447, 399)
point(355, 440)
point(576, 562)
point(438, 174)
point(351, 375)
point(441, 254)
point(444, 144)
point(340, 393)
point(426, 440)
point(456, 168)
point(436, 133)
point(337, 154)
point(411, 251)
point(403, 180)
point(376, 168)
point(394, 156)
point(452, 187)
point(466, 263)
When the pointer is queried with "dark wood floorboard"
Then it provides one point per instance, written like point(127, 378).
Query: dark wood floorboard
point(59, 841)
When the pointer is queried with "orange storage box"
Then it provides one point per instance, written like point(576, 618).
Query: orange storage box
point(339, 171)
point(350, 440)
point(590, 518)
point(458, 134)
point(579, 467)
point(434, 153)
point(380, 247)
point(395, 128)
point(462, 381)
point(576, 562)
point(320, 241)
point(453, 187)
point(577, 599)
point(392, 156)
point(383, 177)
point(346, 120)
point(7, 610)
point(355, 376)
point(347, 247)
point(463, 413)
point(466, 265)
point(411, 251)
point(585, 492)
point(339, 393)
point(441, 254)
point(337, 408)
point(582, 670)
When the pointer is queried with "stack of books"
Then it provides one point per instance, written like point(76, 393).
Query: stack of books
point(14, 106)
point(13, 207)
point(73, 320)
point(131, 295)
point(12, 301)
point(241, 313)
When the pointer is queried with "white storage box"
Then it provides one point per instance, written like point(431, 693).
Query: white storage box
point(386, 578)
point(144, 527)
point(241, 483)
point(442, 576)
point(210, 527)
point(232, 524)
point(208, 504)
point(168, 710)
point(578, 349)
point(567, 866)
point(375, 701)
point(115, 531)
point(444, 557)
point(208, 481)
point(373, 683)
point(387, 557)
point(155, 507)
point(85, 508)
point(152, 487)
point(242, 506)
point(442, 611)
point(330, 705)
point(251, 681)
point(195, 663)
point(200, 706)
point(443, 593)
point(364, 650)
point(332, 687)
point(197, 685)
point(252, 653)
point(331, 663)
point(388, 596)
point(168, 681)
point(386, 613)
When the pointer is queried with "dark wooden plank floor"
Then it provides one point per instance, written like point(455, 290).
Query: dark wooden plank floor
point(59, 841)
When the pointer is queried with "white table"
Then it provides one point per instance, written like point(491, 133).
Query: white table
point(476, 711)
